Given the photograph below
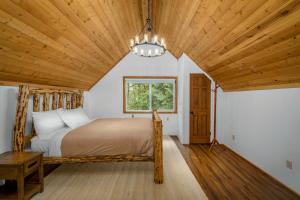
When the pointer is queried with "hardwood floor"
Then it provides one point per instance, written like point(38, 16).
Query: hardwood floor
point(223, 174)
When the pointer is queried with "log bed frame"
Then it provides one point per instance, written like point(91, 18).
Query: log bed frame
point(70, 99)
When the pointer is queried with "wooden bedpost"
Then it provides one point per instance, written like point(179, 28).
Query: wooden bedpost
point(46, 102)
point(158, 146)
point(20, 122)
point(36, 108)
point(80, 100)
point(61, 100)
point(54, 101)
point(68, 101)
point(73, 101)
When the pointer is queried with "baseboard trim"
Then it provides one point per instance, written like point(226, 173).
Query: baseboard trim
point(263, 171)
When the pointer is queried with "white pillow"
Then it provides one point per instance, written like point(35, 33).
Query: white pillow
point(74, 117)
point(46, 123)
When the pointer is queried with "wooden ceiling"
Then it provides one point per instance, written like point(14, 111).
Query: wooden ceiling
point(241, 44)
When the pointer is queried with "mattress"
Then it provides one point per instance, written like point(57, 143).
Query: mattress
point(132, 136)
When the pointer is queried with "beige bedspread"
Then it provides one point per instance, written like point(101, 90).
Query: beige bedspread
point(110, 137)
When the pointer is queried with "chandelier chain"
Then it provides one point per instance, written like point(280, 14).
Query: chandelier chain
point(149, 20)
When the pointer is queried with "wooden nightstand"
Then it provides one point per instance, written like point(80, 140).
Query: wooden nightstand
point(26, 168)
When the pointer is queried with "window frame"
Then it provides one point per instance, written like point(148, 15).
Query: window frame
point(149, 77)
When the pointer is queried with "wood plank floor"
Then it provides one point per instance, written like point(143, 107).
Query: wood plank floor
point(223, 174)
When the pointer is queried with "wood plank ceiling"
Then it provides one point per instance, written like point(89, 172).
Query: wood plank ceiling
point(73, 43)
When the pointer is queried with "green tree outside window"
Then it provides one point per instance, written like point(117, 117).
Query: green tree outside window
point(148, 94)
point(162, 96)
point(138, 96)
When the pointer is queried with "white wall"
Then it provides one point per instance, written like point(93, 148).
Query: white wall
point(266, 125)
point(106, 97)
point(186, 67)
point(8, 99)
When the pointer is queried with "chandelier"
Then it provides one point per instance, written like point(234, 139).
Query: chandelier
point(146, 43)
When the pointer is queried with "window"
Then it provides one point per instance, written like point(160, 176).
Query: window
point(143, 94)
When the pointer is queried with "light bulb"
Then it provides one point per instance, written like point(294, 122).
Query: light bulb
point(156, 51)
point(146, 38)
point(162, 41)
point(131, 42)
point(149, 52)
point(142, 51)
point(136, 39)
point(135, 49)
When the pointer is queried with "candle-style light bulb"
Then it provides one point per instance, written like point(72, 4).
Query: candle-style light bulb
point(131, 42)
point(156, 51)
point(146, 38)
point(136, 39)
point(142, 51)
point(149, 52)
point(155, 39)
point(135, 49)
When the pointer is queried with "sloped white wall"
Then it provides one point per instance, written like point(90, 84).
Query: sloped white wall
point(186, 67)
point(106, 97)
point(8, 100)
point(266, 125)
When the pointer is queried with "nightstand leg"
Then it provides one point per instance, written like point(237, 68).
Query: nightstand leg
point(20, 184)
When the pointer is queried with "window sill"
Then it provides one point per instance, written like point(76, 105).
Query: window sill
point(149, 112)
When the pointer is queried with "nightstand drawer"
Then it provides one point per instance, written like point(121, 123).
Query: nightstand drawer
point(8, 173)
point(31, 166)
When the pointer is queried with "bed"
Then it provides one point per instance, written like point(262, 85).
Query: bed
point(98, 140)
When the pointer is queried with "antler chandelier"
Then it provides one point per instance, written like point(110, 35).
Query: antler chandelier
point(148, 44)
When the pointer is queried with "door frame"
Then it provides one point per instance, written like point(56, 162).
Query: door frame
point(209, 113)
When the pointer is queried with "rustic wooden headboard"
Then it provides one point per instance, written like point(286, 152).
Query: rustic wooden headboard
point(61, 98)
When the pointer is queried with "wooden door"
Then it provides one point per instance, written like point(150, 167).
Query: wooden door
point(199, 108)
